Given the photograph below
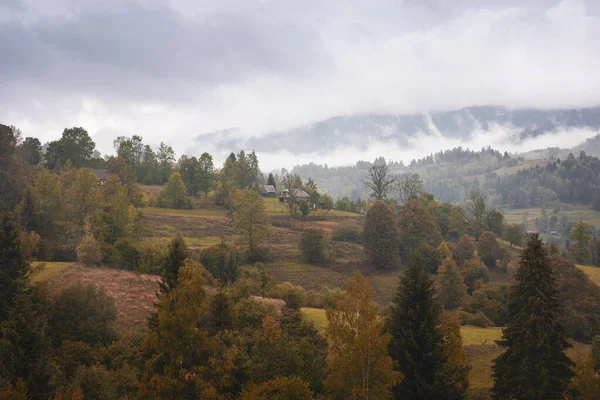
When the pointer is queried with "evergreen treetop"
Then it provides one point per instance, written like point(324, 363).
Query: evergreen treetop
point(534, 365)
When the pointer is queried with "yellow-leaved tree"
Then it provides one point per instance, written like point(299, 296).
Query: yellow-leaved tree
point(250, 222)
point(359, 364)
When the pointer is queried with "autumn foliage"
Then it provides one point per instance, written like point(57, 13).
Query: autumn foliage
point(380, 237)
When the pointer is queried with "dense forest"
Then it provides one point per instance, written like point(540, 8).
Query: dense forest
point(223, 325)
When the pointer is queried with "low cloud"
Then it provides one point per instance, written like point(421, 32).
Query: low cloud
point(172, 72)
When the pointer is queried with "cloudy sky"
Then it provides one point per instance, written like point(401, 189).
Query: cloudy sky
point(170, 70)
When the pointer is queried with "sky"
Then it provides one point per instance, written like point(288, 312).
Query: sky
point(171, 70)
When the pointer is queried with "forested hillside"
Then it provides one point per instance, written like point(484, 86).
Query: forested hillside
point(142, 275)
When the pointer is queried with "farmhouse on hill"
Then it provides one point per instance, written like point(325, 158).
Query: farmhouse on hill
point(299, 195)
point(102, 174)
point(267, 190)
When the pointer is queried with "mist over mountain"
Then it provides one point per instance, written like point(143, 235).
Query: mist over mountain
point(410, 133)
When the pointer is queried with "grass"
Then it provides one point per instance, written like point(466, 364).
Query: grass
point(46, 270)
point(184, 213)
point(474, 335)
point(573, 213)
point(308, 276)
point(316, 316)
point(275, 208)
point(592, 272)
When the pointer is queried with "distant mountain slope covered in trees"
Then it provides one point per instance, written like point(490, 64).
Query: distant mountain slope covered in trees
point(324, 136)
point(510, 181)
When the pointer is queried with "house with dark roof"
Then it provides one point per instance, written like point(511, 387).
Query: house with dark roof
point(267, 190)
point(101, 174)
point(299, 195)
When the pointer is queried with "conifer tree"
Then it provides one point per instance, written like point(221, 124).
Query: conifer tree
point(178, 252)
point(380, 237)
point(14, 268)
point(271, 181)
point(534, 365)
point(417, 338)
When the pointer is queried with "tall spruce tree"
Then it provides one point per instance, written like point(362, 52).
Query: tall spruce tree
point(14, 268)
point(178, 252)
point(534, 365)
point(417, 337)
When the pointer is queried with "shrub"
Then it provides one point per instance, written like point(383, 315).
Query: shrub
point(88, 251)
point(222, 261)
point(476, 319)
point(110, 255)
point(151, 258)
point(30, 244)
point(313, 246)
point(128, 253)
point(251, 281)
point(83, 313)
point(324, 298)
point(492, 300)
point(281, 224)
point(474, 273)
point(380, 237)
point(292, 295)
point(347, 232)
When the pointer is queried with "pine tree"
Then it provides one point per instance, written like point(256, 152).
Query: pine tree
point(417, 338)
point(178, 252)
point(271, 181)
point(14, 268)
point(380, 237)
point(534, 365)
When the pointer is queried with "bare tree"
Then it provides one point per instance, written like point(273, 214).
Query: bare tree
point(292, 183)
point(408, 186)
point(380, 181)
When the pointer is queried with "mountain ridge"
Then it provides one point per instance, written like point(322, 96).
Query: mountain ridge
point(461, 124)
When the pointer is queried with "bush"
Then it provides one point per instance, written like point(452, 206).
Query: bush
point(222, 261)
point(292, 295)
point(128, 253)
point(257, 254)
point(281, 224)
point(83, 313)
point(151, 258)
point(347, 232)
point(252, 281)
point(474, 273)
point(30, 245)
point(110, 255)
point(477, 319)
point(313, 246)
point(492, 300)
point(324, 298)
point(88, 251)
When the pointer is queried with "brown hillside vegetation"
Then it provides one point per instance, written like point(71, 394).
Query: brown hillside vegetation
point(134, 294)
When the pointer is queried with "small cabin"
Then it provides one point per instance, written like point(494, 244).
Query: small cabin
point(299, 194)
point(267, 190)
point(101, 174)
